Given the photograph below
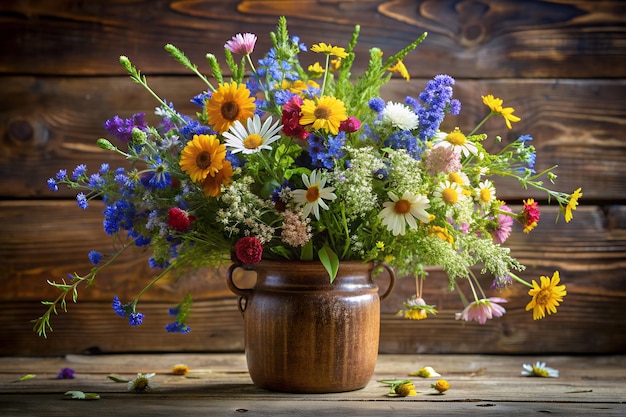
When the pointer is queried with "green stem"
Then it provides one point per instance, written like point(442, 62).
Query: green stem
point(487, 117)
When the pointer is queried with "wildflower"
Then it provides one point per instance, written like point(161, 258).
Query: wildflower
point(406, 389)
point(486, 192)
point(495, 105)
point(483, 309)
point(229, 103)
point(441, 386)
point(253, 137)
point(504, 225)
point(400, 68)
point(436, 100)
point(315, 194)
point(546, 297)
point(530, 215)
point(122, 129)
point(400, 116)
point(52, 184)
point(400, 211)
point(501, 282)
point(457, 141)
point(180, 369)
point(212, 185)
point(448, 193)
point(350, 125)
point(426, 372)
point(296, 231)
point(177, 327)
point(442, 159)
point(179, 219)
point(441, 232)
point(249, 250)
point(241, 43)
point(65, 373)
point(142, 383)
point(202, 156)
point(95, 257)
point(539, 369)
point(415, 308)
point(329, 50)
point(325, 114)
point(81, 199)
point(135, 319)
point(572, 203)
point(291, 119)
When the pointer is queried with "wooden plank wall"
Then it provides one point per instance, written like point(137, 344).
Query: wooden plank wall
point(560, 63)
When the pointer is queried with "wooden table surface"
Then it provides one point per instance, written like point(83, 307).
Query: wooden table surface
point(219, 385)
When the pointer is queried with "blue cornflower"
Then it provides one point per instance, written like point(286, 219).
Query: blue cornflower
point(381, 174)
point(78, 171)
point(377, 104)
point(403, 139)
point(119, 215)
point(52, 184)
point(436, 102)
point(95, 257)
point(61, 175)
point(82, 201)
point(525, 138)
point(177, 327)
point(281, 97)
point(123, 128)
point(104, 168)
point(157, 177)
point(193, 127)
point(135, 319)
point(119, 308)
point(96, 181)
point(157, 264)
point(201, 98)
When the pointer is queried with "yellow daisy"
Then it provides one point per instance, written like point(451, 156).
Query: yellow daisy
point(546, 297)
point(571, 205)
point(316, 70)
point(212, 184)
point(329, 50)
point(231, 102)
point(495, 105)
point(202, 156)
point(326, 114)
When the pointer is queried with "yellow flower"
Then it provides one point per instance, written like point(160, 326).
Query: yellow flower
point(180, 369)
point(571, 205)
point(400, 68)
point(441, 233)
point(495, 105)
point(212, 184)
point(316, 69)
point(329, 50)
point(441, 385)
point(406, 390)
point(326, 114)
point(229, 103)
point(202, 156)
point(546, 297)
point(425, 372)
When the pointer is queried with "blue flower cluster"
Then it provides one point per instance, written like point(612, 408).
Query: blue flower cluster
point(127, 311)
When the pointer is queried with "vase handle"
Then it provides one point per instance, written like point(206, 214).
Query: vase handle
point(243, 293)
point(392, 280)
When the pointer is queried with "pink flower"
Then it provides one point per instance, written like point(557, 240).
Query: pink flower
point(291, 119)
point(504, 226)
point(249, 250)
point(351, 124)
point(443, 159)
point(481, 310)
point(178, 219)
point(242, 44)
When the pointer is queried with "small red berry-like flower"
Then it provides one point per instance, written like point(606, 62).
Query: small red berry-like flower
point(351, 124)
point(178, 219)
point(249, 250)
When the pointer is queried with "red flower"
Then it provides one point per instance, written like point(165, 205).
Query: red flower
point(291, 119)
point(530, 214)
point(249, 250)
point(178, 219)
point(351, 124)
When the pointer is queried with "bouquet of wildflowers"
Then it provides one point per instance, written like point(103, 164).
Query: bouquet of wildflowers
point(287, 162)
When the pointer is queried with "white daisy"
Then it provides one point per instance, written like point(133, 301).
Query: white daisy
point(539, 369)
point(486, 192)
point(457, 141)
point(315, 193)
point(142, 383)
point(400, 211)
point(448, 193)
point(400, 116)
point(254, 138)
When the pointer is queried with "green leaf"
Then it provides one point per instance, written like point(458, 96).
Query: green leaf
point(306, 254)
point(25, 377)
point(116, 378)
point(330, 260)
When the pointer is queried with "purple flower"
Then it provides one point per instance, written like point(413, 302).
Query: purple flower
point(81, 199)
point(242, 44)
point(482, 310)
point(66, 373)
point(95, 257)
point(504, 226)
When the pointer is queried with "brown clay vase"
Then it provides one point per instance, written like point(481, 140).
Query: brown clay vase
point(305, 334)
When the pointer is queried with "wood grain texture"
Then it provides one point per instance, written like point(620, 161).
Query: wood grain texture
point(51, 123)
point(485, 39)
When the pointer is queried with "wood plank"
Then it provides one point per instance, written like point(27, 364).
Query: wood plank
point(492, 39)
point(218, 384)
point(575, 124)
